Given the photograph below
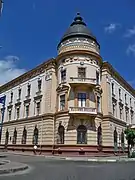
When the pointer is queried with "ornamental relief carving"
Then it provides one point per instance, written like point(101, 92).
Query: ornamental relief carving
point(90, 60)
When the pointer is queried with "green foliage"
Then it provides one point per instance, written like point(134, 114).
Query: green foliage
point(130, 136)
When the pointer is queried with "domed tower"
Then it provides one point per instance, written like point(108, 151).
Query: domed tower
point(78, 90)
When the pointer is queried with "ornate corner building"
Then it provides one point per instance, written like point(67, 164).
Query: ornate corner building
point(75, 103)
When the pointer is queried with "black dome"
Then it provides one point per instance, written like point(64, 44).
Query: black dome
point(78, 29)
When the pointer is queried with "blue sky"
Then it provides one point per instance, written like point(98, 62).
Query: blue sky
point(31, 29)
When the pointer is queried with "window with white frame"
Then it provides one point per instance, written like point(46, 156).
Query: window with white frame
point(121, 112)
point(17, 112)
point(9, 114)
point(38, 107)
point(98, 104)
point(81, 99)
point(62, 102)
point(19, 93)
point(39, 84)
point(63, 75)
point(27, 110)
point(28, 89)
point(97, 77)
point(81, 72)
point(120, 94)
point(113, 88)
point(11, 97)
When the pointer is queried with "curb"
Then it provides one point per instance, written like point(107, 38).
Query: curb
point(91, 160)
point(13, 170)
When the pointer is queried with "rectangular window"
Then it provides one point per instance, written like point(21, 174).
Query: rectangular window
point(17, 113)
point(120, 94)
point(19, 93)
point(98, 104)
point(132, 117)
point(63, 75)
point(114, 109)
point(97, 77)
point(62, 102)
point(81, 72)
point(121, 112)
point(130, 102)
point(39, 84)
point(126, 115)
point(125, 98)
point(27, 110)
point(81, 99)
point(28, 89)
point(113, 88)
point(11, 96)
point(9, 114)
point(38, 108)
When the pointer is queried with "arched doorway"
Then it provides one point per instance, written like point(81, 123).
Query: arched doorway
point(6, 137)
point(99, 137)
point(115, 135)
point(14, 136)
point(35, 135)
point(24, 135)
point(61, 133)
point(81, 134)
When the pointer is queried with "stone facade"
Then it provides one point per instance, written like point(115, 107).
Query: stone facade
point(75, 102)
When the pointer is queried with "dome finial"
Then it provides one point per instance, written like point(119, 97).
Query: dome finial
point(78, 13)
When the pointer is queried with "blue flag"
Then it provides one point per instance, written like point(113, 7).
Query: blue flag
point(2, 100)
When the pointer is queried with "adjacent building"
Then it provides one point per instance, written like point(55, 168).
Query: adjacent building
point(74, 103)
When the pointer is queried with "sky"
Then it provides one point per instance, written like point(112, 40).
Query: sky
point(31, 29)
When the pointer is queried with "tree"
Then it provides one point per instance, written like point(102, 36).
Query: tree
point(130, 136)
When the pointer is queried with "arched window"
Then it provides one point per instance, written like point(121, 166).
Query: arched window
point(35, 136)
point(7, 137)
point(115, 140)
point(14, 136)
point(61, 133)
point(99, 136)
point(81, 134)
point(115, 136)
point(122, 137)
point(24, 136)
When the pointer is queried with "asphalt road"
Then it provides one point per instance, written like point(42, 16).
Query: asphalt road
point(42, 169)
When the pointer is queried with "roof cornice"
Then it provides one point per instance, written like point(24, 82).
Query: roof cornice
point(28, 75)
point(117, 76)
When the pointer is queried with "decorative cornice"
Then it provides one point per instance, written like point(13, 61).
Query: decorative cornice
point(113, 119)
point(30, 119)
point(76, 52)
point(28, 75)
point(118, 77)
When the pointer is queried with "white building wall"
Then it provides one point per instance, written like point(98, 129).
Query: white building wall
point(124, 91)
point(23, 86)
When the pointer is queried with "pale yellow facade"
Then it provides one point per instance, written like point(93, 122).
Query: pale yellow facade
point(77, 105)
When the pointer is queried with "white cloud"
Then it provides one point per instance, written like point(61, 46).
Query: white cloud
point(111, 27)
point(131, 49)
point(130, 32)
point(9, 69)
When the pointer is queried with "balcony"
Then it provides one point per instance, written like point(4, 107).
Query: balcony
point(83, 80)
point(83, 110)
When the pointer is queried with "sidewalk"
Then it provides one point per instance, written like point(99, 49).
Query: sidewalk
point(77, 158)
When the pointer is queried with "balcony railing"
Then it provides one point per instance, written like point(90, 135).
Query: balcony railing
point(85, 110)
point(83, 80)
